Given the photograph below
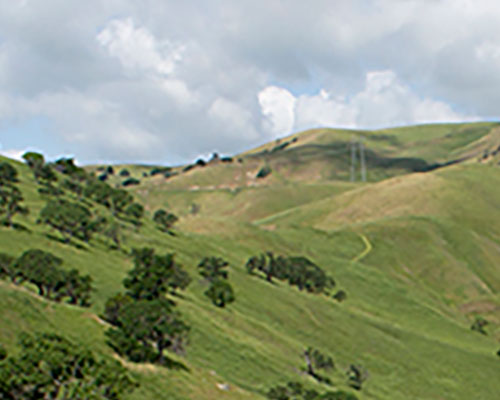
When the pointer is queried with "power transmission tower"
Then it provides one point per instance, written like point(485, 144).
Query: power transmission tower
point(353, 159)
point(361, 147)
point(362, 157)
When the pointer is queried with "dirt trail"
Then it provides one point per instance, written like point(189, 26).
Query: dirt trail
point(366, 251)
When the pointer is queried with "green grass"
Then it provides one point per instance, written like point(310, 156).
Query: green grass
point(417, 254)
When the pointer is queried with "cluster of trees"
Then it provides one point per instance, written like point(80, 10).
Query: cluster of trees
point(263, 172)
point(298, 271)
point(43, 269)
point(106, 172)
point(296, 391)
point(49, 366)
point(118, 201)
point(316, 360)
point(10, 195)
point(160, 170)
point(282, 145)
point(356, 376)
point(71, 220)
point(479, 325)
point(145, 322)
point(164, 220)
point(214, 271)
point(74, 219)
point(44, 174)
point(82, 184)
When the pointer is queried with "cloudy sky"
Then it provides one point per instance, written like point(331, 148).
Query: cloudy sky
point(167, 81)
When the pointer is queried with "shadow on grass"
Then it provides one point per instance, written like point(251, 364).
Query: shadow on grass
point(66, 242)
point(16, 226)
point(174, 365)
point(177, 295)
point(261, 277)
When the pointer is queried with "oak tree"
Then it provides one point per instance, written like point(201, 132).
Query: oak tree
point(52, 367)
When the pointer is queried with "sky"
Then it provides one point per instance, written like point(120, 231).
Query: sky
point(165, 82)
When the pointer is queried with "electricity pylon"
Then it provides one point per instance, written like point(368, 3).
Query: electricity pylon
point(362, 157)
point(353, 159)
point(361, 148)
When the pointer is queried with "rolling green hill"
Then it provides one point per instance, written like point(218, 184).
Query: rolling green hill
point(416, 249)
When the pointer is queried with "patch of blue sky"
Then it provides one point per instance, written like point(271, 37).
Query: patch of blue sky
point(301, 87)
point(33, 133)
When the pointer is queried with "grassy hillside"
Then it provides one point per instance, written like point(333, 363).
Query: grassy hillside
point(417, 254)
point(324, 156)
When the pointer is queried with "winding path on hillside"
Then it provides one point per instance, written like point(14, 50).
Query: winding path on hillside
point(366, 251)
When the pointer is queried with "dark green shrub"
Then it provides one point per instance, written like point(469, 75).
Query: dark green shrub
point(340, 296)
point(213, 268)
point(479, 324)
point(316, 360)
point(220, 292)
point(170, 174)
point(160, 170)
point(263, 172)
point(356, 376)
point(131, 182)
point(136, 212)
point(164, 220)
point(280, 147)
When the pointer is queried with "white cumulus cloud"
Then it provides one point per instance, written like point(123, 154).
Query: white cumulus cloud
point(278, 107)
point(137, 48)
point(383, 98)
